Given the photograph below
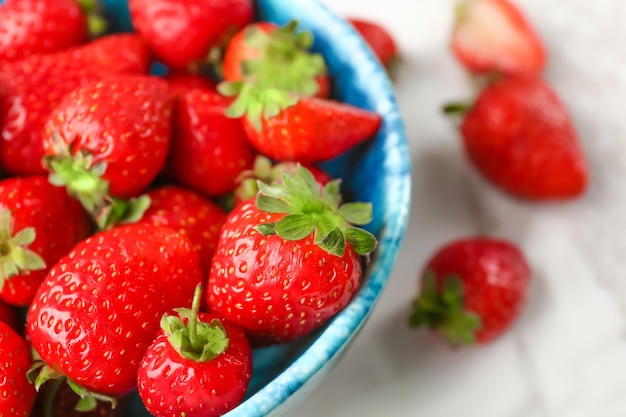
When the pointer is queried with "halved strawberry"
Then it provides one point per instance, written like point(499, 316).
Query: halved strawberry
point(495, 36)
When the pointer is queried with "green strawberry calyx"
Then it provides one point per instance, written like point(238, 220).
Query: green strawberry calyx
point(285, 69)
point(15, 257)
point(311, 209)
point(443, 310)
point(191, 338)
point(83, 179)
point(40, 373)
point(263, 170)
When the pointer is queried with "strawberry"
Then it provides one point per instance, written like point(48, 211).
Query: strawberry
point(472, 290)
point(213, 351)
point(289, 260)
point(273, 56)
point(518, 135)
point(378, 38)
point(268, 172)
point(99, 307)
point(8, 315)
point(18, 395)
point(209, 150)
point(114, 134)
point(39, 223)
point(188, 213)
point(40, 26)
point(310, 130)
point(31, 88)
point(183, 32)
point(495, 36)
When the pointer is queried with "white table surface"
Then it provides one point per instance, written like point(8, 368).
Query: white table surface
point(566, 356)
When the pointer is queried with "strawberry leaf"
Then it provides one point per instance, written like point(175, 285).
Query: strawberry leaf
point(357, 213)
point(294, 227)
point(333, 243)
point(362, 241)
point(267, 229)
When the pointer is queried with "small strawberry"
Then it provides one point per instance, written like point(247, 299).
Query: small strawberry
point(519, 135)
point(32, 87)
point(183, 32)
point(98, 309)
point(189, 213)
point(266, 171)
point(494, 36)
point(268, 55)
point(209, 150)
point(472, 290)
point(18, 395)
point(8, 315)
point(289, 261)
point(213, 351)
point(40, 26)
point(109, 138)
point(307, 130)
point(39, 223)
point(378, 38)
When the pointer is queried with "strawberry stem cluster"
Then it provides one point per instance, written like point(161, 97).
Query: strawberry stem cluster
point(15, 257)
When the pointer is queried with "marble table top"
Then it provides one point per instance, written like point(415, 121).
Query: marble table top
point(566, 356)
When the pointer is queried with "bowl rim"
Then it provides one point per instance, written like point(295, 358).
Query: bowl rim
point(304, 373)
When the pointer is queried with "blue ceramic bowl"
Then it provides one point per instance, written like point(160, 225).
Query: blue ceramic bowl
point(378, 172)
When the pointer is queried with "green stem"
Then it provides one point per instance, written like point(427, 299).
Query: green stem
point(51, 394)
point(193, 320)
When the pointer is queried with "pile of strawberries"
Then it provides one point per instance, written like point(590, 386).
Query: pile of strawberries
point(519, 136)
point(156, 229)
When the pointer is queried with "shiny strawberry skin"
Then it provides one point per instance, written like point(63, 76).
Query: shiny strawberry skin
point(18, 394)
point(98, 309)
point(175, 385)
point(59, 222)
point(124, 121)
point(520, 136)
point(378, 38)
point(495, 36)
point(494, 275)
point(209, 150)
point(189, 213)
point(313, 130)
point(274, 289)
point(182, 32)
point(40, 26)
point(31, 88)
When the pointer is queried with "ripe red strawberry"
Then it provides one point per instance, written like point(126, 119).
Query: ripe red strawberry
point(495, 36)
point(472, 290)
point(18, 395)
point(40, 26)
point(288, 262)
point(215, 352)
point(266, 54)
point(519, 135)
point(183, 32)
point(378, 38)
point(209, 150)
point(266, 171)
point(115, 133)
point(189, 213)
point(98, 309)
point(39, 223)
point(311, 130)
point(8, 315)
point(31, 88)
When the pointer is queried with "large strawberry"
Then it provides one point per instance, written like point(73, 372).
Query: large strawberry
point(17, 394)
point(209, 150)
point(288, 261)
point(472, 290)
point(183, 32)
point(519, 135)
point(39, 223)
point(98, 309)
point(40, 26)
point(271, 56)
point(109, 138)
point(32, 87)
point(188, 213)
point(214, 351)
point(495, 36)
